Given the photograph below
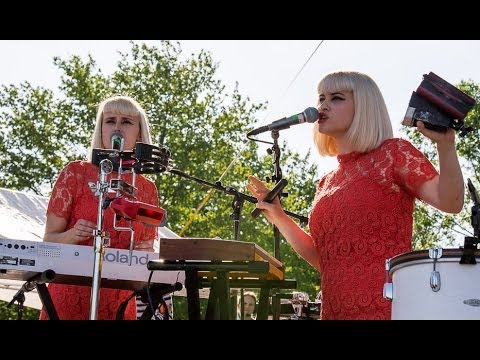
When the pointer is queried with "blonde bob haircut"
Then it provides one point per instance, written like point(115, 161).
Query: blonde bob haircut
point(123, 105)
point(371, 124)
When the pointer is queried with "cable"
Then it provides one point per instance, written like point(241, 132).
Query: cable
point(295, 77)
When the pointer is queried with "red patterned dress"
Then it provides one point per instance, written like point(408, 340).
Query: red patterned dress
point(73, 198)
point(362, 215)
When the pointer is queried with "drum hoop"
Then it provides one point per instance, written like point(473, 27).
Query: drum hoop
point(415, 257)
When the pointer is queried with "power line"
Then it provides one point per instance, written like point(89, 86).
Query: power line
point(296, 76)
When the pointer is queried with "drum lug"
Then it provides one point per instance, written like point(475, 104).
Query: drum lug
point(435, 283)
point(435, 253)
point(387, 287)
point(388, 291)
point(387, 266)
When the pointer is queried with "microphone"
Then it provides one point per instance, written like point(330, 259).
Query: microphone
point(308, 115)
point(139, 211)
point(117, 140)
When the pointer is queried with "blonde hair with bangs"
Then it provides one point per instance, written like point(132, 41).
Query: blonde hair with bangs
point(124, 105)
point(371, 124)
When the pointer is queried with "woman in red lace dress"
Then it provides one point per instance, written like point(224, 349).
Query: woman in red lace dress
point(362, 213)
point(73, 207)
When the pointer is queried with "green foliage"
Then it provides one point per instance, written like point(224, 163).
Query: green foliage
point(11, 312)
point(432, 227)
point(180, 308)
point(190, 112)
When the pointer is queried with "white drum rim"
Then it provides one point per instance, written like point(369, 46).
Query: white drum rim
point(419, 256)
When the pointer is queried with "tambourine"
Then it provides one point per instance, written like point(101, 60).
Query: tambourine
point(143, 159)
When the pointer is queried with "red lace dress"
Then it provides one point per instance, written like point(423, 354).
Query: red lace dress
point(73, 198)
point(362, 215)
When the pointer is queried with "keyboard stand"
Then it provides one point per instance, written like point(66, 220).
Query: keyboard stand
point(47, 302)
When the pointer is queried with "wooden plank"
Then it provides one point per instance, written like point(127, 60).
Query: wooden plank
point(206, 249)
point(265, 255)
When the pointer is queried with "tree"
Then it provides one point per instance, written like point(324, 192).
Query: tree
point(433, 227)
point(190, 112)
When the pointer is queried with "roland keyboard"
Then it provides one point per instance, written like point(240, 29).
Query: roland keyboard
point(73, 264)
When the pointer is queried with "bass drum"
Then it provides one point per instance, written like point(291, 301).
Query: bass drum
point(434, 288)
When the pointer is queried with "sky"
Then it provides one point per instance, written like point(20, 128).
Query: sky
point(283, 72)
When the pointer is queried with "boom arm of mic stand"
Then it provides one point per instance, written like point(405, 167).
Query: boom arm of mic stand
point(231, 191)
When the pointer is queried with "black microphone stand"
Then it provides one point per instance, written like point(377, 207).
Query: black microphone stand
point(471, 242)
point(19, 297)
point(277, 176)
point(37, 281)
point(237, 203)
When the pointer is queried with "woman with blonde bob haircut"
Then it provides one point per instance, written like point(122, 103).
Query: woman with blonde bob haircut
point(371, 124)
point(362, 213)
point(120, 105)
point(73, 207)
